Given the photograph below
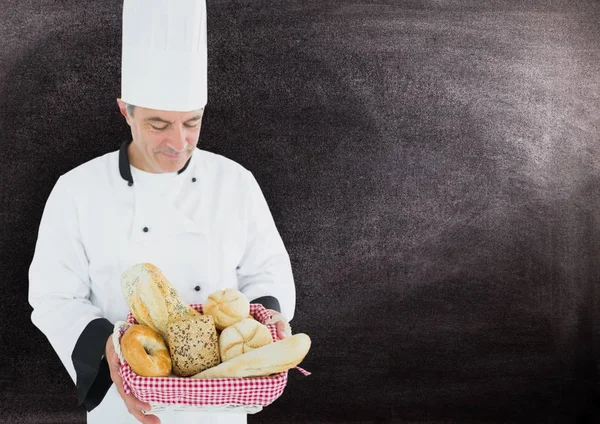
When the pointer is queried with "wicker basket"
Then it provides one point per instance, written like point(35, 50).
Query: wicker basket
point(248, 395)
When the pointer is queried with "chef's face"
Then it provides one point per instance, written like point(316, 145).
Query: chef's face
point(163, 141)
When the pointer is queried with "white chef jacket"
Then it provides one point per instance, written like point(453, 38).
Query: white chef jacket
point(207, 227)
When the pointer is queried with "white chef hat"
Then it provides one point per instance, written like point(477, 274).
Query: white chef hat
point(164, 54)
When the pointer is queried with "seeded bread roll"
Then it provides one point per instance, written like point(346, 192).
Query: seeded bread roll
point(227, 307)
point(194, 345)
point(151, 298)
point(246, 335)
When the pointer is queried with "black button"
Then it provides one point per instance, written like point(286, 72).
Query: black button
point(130, 183)
point(145, 229)
point(197, 288)
point(194, 179)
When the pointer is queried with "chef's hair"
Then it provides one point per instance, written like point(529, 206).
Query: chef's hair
point(129, 108)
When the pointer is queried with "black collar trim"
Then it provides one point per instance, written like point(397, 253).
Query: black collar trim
point(124, 168)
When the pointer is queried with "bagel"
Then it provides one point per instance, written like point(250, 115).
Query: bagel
point(145, 351)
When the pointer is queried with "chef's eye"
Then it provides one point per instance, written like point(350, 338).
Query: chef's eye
point(192, 125)
point(159, 128)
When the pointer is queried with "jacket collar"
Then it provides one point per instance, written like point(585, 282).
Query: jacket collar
point(124, 168)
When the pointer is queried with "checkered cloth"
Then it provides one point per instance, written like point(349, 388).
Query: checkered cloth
point(207, 392)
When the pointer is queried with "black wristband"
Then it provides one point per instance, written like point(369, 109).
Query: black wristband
point(93, 374)
point(268, 302)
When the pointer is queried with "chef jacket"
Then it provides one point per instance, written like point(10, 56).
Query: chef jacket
point(207, 227)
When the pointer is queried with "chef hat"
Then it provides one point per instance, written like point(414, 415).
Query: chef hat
point(164, 54)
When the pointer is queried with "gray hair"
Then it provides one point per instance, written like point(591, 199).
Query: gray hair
point(130, 109)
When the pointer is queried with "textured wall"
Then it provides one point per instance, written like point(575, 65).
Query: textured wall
point(433, 168)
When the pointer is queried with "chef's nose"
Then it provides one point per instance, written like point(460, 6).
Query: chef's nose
point(178, 142)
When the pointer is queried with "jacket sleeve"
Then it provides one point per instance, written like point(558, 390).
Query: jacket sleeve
point(265, 272)
point(59, 293)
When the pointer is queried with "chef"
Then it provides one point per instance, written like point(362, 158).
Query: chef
point(198, 216)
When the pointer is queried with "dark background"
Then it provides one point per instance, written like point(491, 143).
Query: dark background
point(433, 168)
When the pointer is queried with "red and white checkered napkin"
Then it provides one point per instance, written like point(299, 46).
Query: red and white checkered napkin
point(208, 392)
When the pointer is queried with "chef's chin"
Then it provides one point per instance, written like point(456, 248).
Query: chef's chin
point(168, 164)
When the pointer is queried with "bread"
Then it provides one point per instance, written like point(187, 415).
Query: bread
point(194, 345)
point(273, 358)
point(151, 298)
point(227, 307)
point(145, 351)
point(246, 335)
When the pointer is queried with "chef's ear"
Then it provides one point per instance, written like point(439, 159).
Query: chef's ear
point(123, 110)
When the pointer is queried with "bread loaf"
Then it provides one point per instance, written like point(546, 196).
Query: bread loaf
point(151, 298)
point(246, 335)
point(272, 358)
point(194, 345)
point(227, 307)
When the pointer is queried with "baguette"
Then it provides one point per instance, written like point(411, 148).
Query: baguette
point(151, 298)
point(272, 358)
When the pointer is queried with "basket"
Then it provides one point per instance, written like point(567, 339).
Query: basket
point(248, 395)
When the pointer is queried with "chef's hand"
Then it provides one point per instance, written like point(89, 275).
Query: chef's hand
point(134, 405)
point(283, 326)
